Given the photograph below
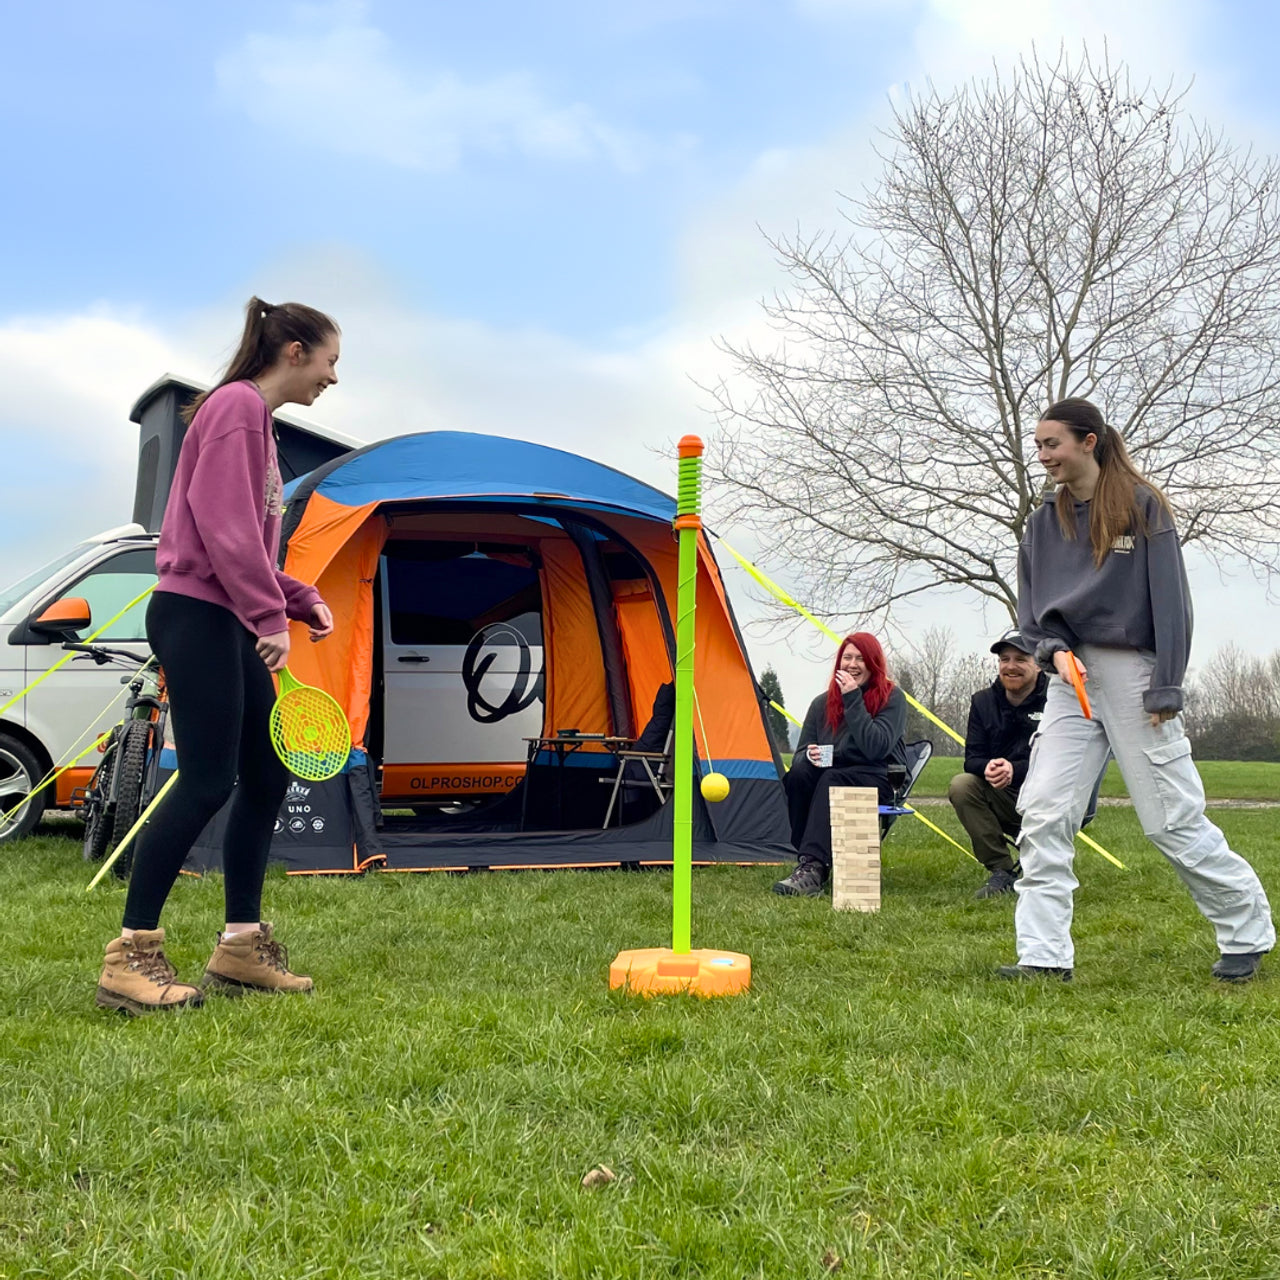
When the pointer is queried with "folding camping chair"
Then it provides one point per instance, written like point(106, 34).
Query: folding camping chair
point(903, 778)
point(654, 774)
point(646, 764)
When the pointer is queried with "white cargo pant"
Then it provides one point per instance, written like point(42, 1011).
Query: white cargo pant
point(1066, 756)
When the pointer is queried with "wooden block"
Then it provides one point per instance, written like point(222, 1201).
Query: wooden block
point(855, 849)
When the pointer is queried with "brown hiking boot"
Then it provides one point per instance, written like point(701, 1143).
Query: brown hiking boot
point(252, 961)
point(138, 978)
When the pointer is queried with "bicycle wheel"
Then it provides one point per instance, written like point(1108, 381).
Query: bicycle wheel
point(98, 822)
point(134, 745)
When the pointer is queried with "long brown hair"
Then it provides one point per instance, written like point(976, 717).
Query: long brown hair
point(1114, 510)
point(875, 693)
point(268, 330)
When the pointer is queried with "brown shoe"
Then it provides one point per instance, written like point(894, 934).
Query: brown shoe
point(252, 961)
point(138, 978)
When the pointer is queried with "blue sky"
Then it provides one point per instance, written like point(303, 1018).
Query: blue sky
point(170, 159)
point(529, 219)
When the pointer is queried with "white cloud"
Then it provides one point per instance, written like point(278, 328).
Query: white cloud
point(340, 75)
point(64, 427)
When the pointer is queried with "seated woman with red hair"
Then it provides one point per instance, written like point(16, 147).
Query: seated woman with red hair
point(861, 718)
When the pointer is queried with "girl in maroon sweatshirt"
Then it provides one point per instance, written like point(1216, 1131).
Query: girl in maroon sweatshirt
point(218, 624)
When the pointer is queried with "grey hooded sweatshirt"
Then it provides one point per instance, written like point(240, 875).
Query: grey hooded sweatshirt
point(1138, 599)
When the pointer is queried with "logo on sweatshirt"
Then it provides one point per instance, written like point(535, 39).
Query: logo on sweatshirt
point(273, 497)
point(1035, 715)
point(1123, 544)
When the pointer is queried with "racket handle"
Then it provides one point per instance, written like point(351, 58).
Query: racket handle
point(287, 682)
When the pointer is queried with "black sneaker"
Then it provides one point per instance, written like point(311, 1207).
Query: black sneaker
point(999, 882)
point(808, 880)
point(1239, 967)
point(1032, 973)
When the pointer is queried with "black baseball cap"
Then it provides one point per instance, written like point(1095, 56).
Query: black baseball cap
point(1017, 640)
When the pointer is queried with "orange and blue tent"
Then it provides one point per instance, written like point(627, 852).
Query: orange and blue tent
point(605, 557)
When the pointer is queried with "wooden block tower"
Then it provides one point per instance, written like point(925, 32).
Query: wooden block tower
point(855, 849)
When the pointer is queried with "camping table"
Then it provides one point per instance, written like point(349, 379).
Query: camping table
point(562, 744)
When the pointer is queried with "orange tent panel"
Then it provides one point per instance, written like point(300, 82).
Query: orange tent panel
point(342, 664)
point(644, 646)
point(575, 684)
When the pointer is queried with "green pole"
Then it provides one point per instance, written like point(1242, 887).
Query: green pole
point(688, 524)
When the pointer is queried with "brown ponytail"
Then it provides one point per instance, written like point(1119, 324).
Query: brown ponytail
point(268, 330)
point(1114, 510)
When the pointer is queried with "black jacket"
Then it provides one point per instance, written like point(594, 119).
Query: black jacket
point(998, 731)
point(862, 739)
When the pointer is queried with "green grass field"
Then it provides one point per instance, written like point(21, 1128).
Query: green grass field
point(878, 1105)
point(1223, 779)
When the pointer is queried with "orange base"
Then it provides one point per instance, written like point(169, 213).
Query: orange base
point(654, 971)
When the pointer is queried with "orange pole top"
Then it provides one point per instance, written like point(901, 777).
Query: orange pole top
point(691, 447)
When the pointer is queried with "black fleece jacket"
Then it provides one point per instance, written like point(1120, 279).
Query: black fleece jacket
point(1000, 731)
point(862, 739)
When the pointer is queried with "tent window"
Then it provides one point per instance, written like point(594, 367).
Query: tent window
point(622, 566)
point(446, 601)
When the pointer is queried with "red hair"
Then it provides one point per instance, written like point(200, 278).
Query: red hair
point(875, 693)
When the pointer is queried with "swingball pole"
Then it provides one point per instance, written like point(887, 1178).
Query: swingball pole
point(657, 970)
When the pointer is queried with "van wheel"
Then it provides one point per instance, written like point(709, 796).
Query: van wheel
point(19, 772)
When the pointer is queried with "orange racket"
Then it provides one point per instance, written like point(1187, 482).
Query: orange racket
point(1077, 680)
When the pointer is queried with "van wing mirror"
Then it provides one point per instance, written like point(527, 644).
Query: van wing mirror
point(64, 616)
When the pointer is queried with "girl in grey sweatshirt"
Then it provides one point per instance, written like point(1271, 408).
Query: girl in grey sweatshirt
point(1100, 576)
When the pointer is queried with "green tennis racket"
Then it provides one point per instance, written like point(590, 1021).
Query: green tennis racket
point(309, 730)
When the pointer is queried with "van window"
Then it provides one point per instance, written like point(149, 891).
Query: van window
point(11, 595)
point(446, 601)
point(110, 586)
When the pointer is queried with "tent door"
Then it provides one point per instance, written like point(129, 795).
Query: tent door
point(462, 654)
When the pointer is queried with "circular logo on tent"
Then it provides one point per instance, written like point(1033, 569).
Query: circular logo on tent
point(279, 826)
point(317, 825)
point(495, 696)
point(297, 825)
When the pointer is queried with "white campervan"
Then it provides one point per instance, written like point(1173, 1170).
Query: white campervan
point(83, 699)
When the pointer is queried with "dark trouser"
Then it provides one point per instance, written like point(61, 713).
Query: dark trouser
point(989, 815)
point(809, 801)
point(220, 699)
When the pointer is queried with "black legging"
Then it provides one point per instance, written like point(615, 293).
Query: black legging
point(809, 801)
point(220, 698)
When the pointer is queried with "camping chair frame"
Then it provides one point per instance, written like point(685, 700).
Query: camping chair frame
point(904, 778)
point(656, 765)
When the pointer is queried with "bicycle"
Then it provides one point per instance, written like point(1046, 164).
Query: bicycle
point(127, 779)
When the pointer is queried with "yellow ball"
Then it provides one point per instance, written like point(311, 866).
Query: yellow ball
point(715, 786)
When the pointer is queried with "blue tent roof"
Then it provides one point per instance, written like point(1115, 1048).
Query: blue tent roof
point(460, 464)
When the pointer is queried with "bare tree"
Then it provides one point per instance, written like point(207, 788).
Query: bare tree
point(940, 678)
point(1233, 706)
point(1054, 232)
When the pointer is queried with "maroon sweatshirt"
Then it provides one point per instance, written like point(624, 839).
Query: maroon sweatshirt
point(221, 531)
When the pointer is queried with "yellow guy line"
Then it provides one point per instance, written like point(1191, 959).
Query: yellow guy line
point(133, 831)
point(968, 853)
point(62, 662)
point(776, 591)
point(57, 771)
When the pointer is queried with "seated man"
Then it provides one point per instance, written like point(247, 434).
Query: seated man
point(997, 751)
